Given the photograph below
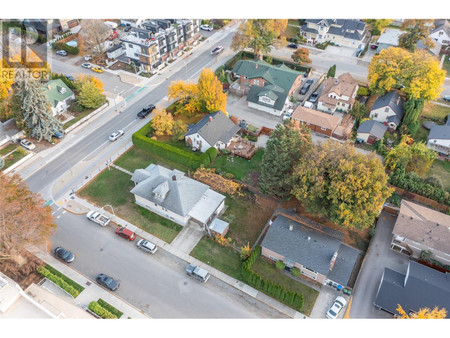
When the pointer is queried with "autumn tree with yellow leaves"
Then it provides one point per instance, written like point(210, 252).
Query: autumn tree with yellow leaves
point(162, 122)
point(346, 186)
point(417, 74)
point(424, 313)
point(416, 30)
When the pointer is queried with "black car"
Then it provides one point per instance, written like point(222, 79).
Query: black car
point(313, 97)
point(69, 77)
point(309, 82)
point(58, 135)
point(127, 29)
point(146, 111)
point(305, 89)
point(293, 45)
point(108, 282)
point(64, 254)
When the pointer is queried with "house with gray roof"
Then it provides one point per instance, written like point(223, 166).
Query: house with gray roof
point(371, 131)
point(439, 138)
point(214, 130)
point(388, 109)
point(311, 247)
point(170, 194)
point(421, 287)
point(268, 87)
point(441, 31)
point(344, 32)
point(59, 95)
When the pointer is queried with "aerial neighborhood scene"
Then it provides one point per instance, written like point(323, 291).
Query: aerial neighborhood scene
point(225, 168)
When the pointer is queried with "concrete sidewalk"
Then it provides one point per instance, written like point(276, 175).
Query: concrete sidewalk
point(92, 291)
point(78, 206)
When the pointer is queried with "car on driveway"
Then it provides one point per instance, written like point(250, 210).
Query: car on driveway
point(147, 246)
point(288, 114)
point(87, 58)
point(61, 52)
point(206, 27)
point(217, 50)
point(336, 308)
point(446, 98)
point(126, 233)
point(313, 98)
point(116, 135)
point(127, 29)
point(69, 77)
point(146, 111)
point(306, 87)
point(108, 282)
point(293, 45)
point(64, 254)
point(97, 69)
point(86, 65)
point(27, 144)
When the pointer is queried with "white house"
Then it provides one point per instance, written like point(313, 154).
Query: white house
point(214, 130)
point(170, 194)
point(115, 51)
point(59, 95)
point(388, 109)
point(439, 138)
point(441, 31)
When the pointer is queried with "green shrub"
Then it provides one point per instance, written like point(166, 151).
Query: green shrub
point(69, 49)
point(64, 79)
point(280, 265)
point(110, 308)
point(296, 272)
point(212, 154)
point(100, 310)
point(77, 286)
point(363, 91)
point(58, 281)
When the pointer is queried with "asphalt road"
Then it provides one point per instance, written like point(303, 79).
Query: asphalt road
point(156, 284)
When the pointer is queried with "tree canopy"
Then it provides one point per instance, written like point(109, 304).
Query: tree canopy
point(162, 122)
point(301, 55)
point(423, 313)
point(416, 30)
point(378, 25)
point(90, 95)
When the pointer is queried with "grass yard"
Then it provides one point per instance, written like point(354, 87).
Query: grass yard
point(138, 158)
point(268, 271)
point(293, 22)
point(421, 133)
point(446, 64)
point(77, 118)
point(240, 167)
point(113, 187)
point(435, 112)
point(13, 158)
point(441, 169)
point(6, 150)
point(292, 32)
point(220, 257)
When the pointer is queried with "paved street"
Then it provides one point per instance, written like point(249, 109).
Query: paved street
point(156, 284)
point(377, 258)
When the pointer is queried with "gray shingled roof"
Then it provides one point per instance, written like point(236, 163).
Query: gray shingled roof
point(391, 99)
point(440, 132)
point(310, 247)
point(372, 127)
point(183, 194)
point(221, 128)
point(421, 287)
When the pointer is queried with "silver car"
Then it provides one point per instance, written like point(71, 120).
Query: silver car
point(86, 65)
point(147, 246)
point(116, 135)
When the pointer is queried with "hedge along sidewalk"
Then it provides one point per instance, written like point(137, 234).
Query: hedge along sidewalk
point(92, 290)
point(260, 296)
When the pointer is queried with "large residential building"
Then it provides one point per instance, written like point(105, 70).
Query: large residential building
point(349, 33)
point(268, 87)
point(141, 48)
point(338, 94)
point(388, 109)
point(420, 229)
point(439, 138)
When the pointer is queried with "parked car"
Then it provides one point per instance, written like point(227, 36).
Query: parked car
point(217, 50)
point(288, 114)
point(126, 233)
point(198, 273)
point(116, 135)
point(69, 77)
point(309, 82)
point(314, 96)
point(336, 308)
point(64, 254)
point(305, 89)
point(293, 45)
point(86, 65)
point(97, 69)
point(146, 111)
point(147, 246)
point(113, 35)
point(58, 135)
point(98, 218)
point(108, 282)
point(127, 29)
point(446, 97)
point(27, 144)
point(61, 52)
point(206, 27)
point(87, 58)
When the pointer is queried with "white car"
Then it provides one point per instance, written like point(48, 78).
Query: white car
point(206, 27)
point(61, 52)
point(337, 306)
point(147, 246)
point(217, 50)
point(86, 65)
point(27, 144)
point(114, 136)
point(288, 114)
point(87, 58)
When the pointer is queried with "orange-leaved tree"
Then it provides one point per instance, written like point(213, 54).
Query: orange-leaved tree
point(162, 122)
point(301, 55)
point(424, 313)
point(217, 182)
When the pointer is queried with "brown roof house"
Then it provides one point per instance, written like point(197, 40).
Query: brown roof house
point(420, 229)
point(338, 94)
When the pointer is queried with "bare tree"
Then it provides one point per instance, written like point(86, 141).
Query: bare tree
point(93, 34)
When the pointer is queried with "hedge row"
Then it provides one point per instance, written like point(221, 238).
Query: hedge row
point(58, 281)
point(291, 298)
point(142, 139)
point(110, 308)
point(100, 310)
point(69, 49)
point(66, 279)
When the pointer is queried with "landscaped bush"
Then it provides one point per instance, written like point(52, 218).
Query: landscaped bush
point(280, 265)
point(110, 308)
point(58, 281)
point(394, 199)
point(296, 272)
point(363, 91)
point(69, 49)
point(77, 286)
point(100, 310)
point(64, 79)
point(212, 154)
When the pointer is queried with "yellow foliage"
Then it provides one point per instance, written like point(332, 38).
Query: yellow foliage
point(217, 182)
point(221, 240)
point(210, 94)
point(181, 90)
point(424, 313)
point(83, 78)
point(162, 123)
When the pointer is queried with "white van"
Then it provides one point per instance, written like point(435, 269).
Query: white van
point(111, 24)
point(147, 246)
point(308, 105)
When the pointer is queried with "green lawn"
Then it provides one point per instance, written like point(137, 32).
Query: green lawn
point(113, 187)
point(6, 150)
point(421, 133)
point(435, 111)
point(220, 257)
point(77, 118)
point(268, 271)
point(240, 167)
point(13, 158)
point(292, 32)
point(293, 22)
point(441, 169)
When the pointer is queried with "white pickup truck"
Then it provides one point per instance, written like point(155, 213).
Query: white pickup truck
point(98, 218)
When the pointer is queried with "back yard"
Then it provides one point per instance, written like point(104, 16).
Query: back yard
point(441, 170)
point(243, 170)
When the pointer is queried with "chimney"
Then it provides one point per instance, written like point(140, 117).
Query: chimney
point(291, 227)
point(256, 66)
point(333, 260)
point(210, 119)
point(174, 177)
point(48, 86)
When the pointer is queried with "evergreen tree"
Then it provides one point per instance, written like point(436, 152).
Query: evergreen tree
point(284, 148)
point(332, 71)
point(413, 109)
point(35, 112)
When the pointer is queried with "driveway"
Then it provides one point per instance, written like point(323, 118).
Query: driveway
point(324, 301)
point(377, 258)
point(188, 238)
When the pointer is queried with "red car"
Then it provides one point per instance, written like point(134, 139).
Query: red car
point(113, 35)
point(126, 233)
